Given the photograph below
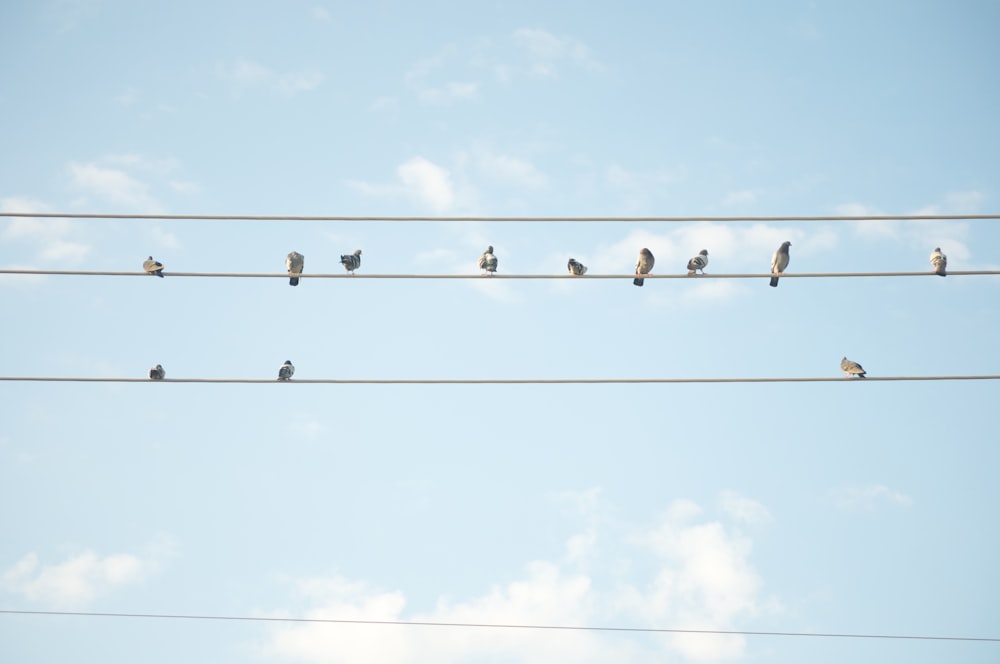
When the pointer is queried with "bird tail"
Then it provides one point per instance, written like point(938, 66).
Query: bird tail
point(774, 282)
point(861, 375)
point(294, 281)
point(941, 272)
point(638, 282)
point(159, 273)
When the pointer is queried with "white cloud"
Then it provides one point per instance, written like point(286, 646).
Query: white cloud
point(112, 185)
point(384, 103)
point(164, 239)
point(621, 178)
point(423, 78)
point(703, 579)
point(869, 496)
point(81, 578)
point(743, 509)
point(741, 197)
point(921, 234)
point(320, 13)
point(52, 239)
point(510, 170)
point(246, 74)
point(420, 179)
point(548, 49)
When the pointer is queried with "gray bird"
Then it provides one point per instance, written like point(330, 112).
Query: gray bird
point(351, 262)
point(488, 262)
point(286, 371)
point(576, 268)
point(779, 262)
point(940, 262)
point(643, 265)
point(851, 368)
point(157, 373)
point(153, 267)
point(698, 262)
point(294, 262)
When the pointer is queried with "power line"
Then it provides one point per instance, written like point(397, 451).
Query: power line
point(259, 217)
point(490, 381)
point(425, 623)
point(283, 275)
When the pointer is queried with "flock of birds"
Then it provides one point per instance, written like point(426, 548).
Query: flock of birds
point(295, 262)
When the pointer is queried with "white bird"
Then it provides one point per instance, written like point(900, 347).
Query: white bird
point(286, 371)
point(698, 262)
point(576, 268)
point(157, 373)
point(488, 262)
point(940, 262)
point(153, 267)
point(643, 265)
point(294, 262)
point(351, 262)
point(851, 368)
point(779, 262)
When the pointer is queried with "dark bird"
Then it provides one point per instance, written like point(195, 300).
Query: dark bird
point(351, 262)
point(643, 265)
point(488, 262)
point(576, 268)
point(698, 262)
point(157, 373)
point(153, 267)
point(286, 371)
point(851, 368)
point(779, 262)
point(294, 262)
point(940, 262)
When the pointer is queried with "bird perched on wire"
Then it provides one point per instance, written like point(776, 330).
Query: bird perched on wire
point(698, 262)
point(940, 262)
point(286, 371)
point(153, 267)
point(576, 268)
point(643, 265)
point(488, 262)
point(779, 262)
point(294, 262)
point(852, 368)
point(157, 373)
point(351, 262)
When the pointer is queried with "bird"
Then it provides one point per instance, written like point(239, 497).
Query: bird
point(779, 262)
point(698, 262)
point(940, 262)
point(488, 262)
point(294, 262)
point(157, 373)
point(286, 370)
point(643, 265)
point(852, 368)
point(153, 267)
point(351, 262)
point(576, 268)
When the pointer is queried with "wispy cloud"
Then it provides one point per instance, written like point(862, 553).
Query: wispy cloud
point(83, 577)
point(420, 180)
point(425, 78)
point(245, 74)
point(548, 51)
point(702, 576)
point(949, 234)
point(52, 240)
point(869, 496)
point(112, 185)
point(320, 13)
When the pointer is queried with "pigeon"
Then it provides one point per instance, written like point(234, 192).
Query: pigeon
point(157, 373)
point(643, 265)
point(698, 262)
point(939, 261)
point(294, 262)
point(351, 262)
point(286, 371)
point(153, 267)
point(488, 262)
point(576, 268)
point(851, 368)
point(779, 262)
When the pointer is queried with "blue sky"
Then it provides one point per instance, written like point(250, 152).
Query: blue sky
point(862, 507)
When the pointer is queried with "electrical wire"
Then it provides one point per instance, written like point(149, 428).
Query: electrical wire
point(490, 381)
point(424, 623)
point(259, 217)
point(267, 275)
